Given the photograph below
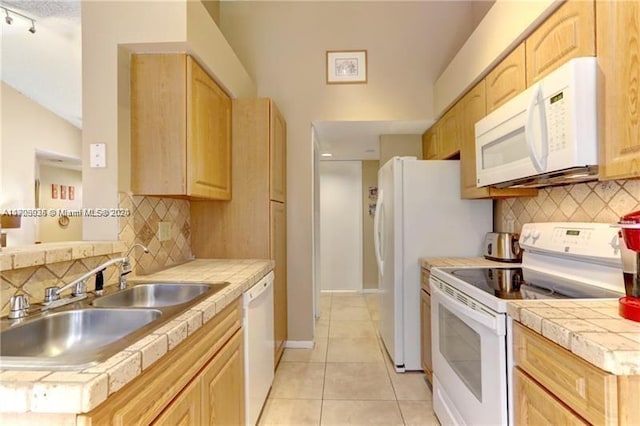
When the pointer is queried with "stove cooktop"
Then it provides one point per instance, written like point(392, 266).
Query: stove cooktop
point(510, 283)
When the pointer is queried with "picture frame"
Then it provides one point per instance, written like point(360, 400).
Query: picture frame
point(346, 66)
point(63, 192)
point(54, 191)
point(72, 192)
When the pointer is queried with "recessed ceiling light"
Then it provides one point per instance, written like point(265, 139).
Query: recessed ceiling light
point(327, 154)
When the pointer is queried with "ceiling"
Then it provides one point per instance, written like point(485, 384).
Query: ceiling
point(45, 66)
point(360, 140)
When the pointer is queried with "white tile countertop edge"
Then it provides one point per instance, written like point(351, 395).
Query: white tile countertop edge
point(590, 329)
point(77, 392)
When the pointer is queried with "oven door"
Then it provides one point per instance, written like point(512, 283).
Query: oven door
point(469, 359)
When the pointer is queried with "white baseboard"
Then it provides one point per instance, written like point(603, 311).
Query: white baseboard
point(364, 290)
point(371, 290)
point(298, 344)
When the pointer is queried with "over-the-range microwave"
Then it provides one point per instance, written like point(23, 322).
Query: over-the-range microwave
point(545, 135)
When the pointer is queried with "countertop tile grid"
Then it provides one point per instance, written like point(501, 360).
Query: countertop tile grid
point(442, 262)
point(347, 378)
point(591, 329)
point(73, 392)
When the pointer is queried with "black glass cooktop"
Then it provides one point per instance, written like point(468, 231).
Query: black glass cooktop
point(510, 283)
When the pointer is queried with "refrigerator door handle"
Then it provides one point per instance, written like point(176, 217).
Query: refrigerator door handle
point(377, 232)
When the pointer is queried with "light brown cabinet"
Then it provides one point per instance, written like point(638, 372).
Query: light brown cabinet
point(535, 406)
point(567, 33)
point(442, 140)
point(253, 223)
point(506, 80)
point(425, 321)
point(185, 410)
point(430, 146)
point(618, 42)
point(180, 129)
point(221, 382)
point(556, 374)
point(200, 379)
point(472, 108)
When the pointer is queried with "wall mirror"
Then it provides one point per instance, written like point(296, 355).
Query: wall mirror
point(41, 144)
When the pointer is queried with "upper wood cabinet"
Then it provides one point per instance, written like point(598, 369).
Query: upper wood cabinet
point(618, 39)
point(442, 140)
point(180, 129)
point(472, 108)
point(449, 136)
point(506, 80)
point(278, 155)
point(568, 33)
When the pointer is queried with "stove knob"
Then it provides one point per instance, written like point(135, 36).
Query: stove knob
point(535, 234)
point(526, 233)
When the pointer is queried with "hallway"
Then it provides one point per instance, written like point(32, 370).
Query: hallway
point(346, 379)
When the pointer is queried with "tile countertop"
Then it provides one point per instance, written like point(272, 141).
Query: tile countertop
point(591, 329)
point(434, 262)
point(82, 391)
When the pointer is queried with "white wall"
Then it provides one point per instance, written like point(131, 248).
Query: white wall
point(400, 146)
point(341, 225)
point(49, 230)
point(283, 47)
point(111, 31)
point(27, 127)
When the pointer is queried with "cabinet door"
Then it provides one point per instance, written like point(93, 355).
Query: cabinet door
point(425, 335)
point(222, 384)
point(568, 33)
point(277, 156)
point(535, 406)
point(449, 134)
point(506, 80)
point(279, 254)
point(158, 124)
point(430, 142)
point(619, 86)
point(208, 136)
point(184, 410)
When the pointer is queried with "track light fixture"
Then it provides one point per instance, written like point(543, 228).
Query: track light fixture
point(9, 19)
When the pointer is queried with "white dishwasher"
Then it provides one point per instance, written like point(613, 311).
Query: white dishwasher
point(259, 345)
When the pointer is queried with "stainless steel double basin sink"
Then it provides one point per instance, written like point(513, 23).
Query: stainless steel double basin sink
point(83, 334)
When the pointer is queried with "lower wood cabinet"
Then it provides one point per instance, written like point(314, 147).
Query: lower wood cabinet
point(535, 406)
point(201, 381)
point(555, 386)
point(425, 323)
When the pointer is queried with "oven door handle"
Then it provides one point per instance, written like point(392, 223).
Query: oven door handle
point(489, 321)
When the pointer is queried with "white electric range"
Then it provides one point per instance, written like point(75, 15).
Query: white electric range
point(471, 333)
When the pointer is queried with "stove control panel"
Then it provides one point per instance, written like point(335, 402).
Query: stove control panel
point(592, 240)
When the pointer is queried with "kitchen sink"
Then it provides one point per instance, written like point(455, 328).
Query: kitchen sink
point(81, 335)
point(155, 295)
point(74, 338)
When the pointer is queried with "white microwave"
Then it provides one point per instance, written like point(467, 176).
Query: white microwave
point(545, 135)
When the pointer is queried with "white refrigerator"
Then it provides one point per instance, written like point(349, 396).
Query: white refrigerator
point(419, 214)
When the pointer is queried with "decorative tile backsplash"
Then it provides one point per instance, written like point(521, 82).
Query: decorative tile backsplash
point(33, 280)
point(583, 202)
point(141, 226)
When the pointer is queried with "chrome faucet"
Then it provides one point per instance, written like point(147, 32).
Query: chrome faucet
point(52, 294)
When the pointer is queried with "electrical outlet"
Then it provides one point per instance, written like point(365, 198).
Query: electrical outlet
point(164, 231)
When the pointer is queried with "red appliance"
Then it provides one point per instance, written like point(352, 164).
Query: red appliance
point(629, 307)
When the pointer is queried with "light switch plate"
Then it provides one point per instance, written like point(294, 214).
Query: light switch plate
point(164, 231)
point(98, 155)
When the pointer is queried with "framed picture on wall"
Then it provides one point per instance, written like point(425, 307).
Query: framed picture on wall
point(54, 191)
point(72, 192)
point(63, 192)
point(346, 67)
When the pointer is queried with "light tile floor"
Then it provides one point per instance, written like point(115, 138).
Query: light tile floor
point(347, 378)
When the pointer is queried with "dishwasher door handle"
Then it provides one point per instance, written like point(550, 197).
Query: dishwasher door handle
point(259, 288)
